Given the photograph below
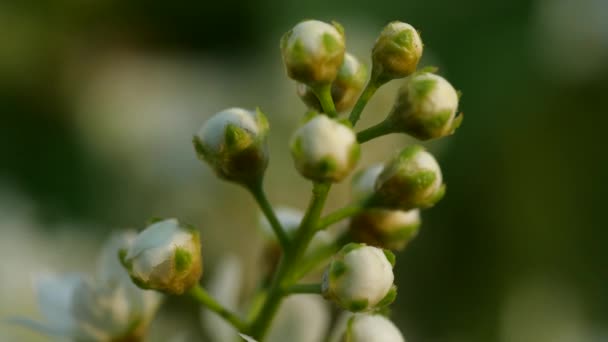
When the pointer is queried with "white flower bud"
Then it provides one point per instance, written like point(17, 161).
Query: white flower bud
point(364, 182)
point(372, 328)
point(410, 180)
point(396, 52)
point(313, 52)
point(426, 107)
point(360, 278)
point(324, 149)
point(390, 229)
point(166, 256)
point(345, 89)
point(233, 143)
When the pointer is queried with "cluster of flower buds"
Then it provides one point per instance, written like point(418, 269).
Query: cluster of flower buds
point(166, 256)
point(360, 278)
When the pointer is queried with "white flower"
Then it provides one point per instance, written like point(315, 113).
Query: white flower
point(410, 180)
point(105, 308)
point(360, 278)
point(426, 107)
point(233, 143)
point(313, 52)
point(372, 328)
point(324, 149)
point(166, 256)
point(396, 52)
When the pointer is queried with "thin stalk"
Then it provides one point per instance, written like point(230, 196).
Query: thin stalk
point(304, 288)
point(339, 215)
point(282, 280)
point(260, 196)
point(202, 297)
point(382, 128)
point(320, 255)
point(323, 93)
point(368, 92)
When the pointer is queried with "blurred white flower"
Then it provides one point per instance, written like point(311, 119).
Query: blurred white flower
point(105, 307)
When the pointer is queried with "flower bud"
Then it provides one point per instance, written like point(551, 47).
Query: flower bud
point(360, 278)
point(233, 143)
point(344, 90)
point(364, 181)
point(426, 107)
point(410, 180)
point(396, 52)
point(372, 328)
point(166, 256)
point(390, 229)
point(324, 149)
point(313, 52)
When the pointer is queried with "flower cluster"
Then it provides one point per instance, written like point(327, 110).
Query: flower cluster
point(383, 216)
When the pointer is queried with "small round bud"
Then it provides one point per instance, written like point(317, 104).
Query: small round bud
point(390, 229)
point(344, 90)
point(313, 52)
point(360, 278)
point(364, 182)
point(233, 143)
point(324, 149)
point(396, 52)
point(410, 180)
point(372, 328)
point(166, 256)
point(426, 107)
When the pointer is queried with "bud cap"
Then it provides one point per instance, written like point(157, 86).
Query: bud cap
point(324, 149)
point(166, 256)
point(313, 52)
point(426, 107)
point(360, 278)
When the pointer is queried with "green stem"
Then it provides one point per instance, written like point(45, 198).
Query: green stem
point(305, 288)
point(368, 92)
point(383, 128)
point(339, 215)
point(323, 93)
point(282, 279)
point(258, 193)
point(203, 298)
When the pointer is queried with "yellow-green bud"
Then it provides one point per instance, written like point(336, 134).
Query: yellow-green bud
point(426, 107)
point(344, 90)
point(396, 52)
point(166, 256)
point(371, 328)
point(410, 180)
point(360, 278)
point(233, 143)
point(390, 229)
point(313, 52)
point(324, 149)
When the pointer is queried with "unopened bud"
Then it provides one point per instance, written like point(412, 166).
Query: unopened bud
point(166, 256)
point(324, 149)
point(410, 180)
point(396, 52)
point(233, 143)
point(390, 229)
point(426, 107)
point(372, 328)
point(313, 52)
point(360, 278)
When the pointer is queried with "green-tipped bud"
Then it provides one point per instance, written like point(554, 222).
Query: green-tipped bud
point(166, 256)
point(390, 229)
point(396, 52)
point(371, 328)
point(360, 278)
point(426, 107)
point(313, 52)
point(344, 90)
point(233, 143)
point(410, 180)
point(324, 149)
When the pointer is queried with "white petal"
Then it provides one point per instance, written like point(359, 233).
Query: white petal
point(301, 318)
point(54, 294)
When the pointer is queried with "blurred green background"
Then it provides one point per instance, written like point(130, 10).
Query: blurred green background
point(99, 100)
